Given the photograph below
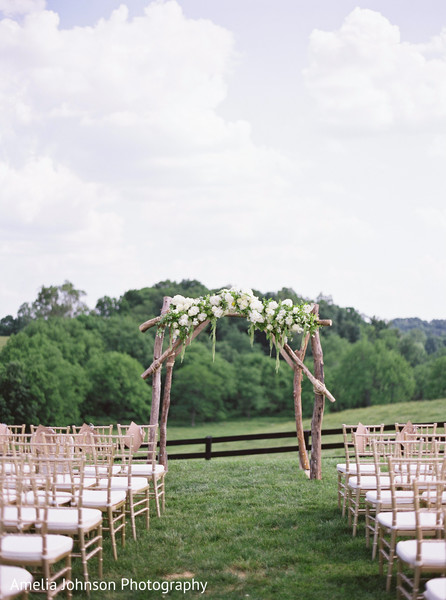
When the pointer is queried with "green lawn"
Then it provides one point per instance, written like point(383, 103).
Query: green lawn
point(252, 528)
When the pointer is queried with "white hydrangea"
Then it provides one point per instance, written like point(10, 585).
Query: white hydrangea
point(256, 304)
point(183, 321)
point(218, 311)
point(255, 317)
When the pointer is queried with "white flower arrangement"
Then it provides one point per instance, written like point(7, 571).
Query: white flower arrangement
point(279, 320)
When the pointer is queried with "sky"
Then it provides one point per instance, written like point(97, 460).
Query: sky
point(256, 143)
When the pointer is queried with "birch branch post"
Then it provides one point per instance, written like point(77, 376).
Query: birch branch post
point(162, 458)
point(156, 380)
point(297, 397)
point(318, 409)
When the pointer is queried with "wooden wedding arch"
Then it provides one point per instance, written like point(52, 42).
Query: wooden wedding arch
point(294, 358)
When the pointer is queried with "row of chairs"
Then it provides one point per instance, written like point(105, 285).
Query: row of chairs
point(77, 482)
point(397, 481)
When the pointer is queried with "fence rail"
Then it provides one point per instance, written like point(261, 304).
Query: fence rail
point(209, 440)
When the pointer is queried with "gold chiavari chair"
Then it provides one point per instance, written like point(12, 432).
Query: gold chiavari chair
point(348, 468)
point(111, 502)
point(82, 524)
point(423, 555)
point(143, 439)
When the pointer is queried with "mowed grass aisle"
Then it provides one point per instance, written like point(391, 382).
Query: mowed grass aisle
point(252, 528)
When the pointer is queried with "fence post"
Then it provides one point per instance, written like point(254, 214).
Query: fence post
point(307, 433)
point(208, 447)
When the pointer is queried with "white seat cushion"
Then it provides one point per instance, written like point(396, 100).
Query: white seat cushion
point(11, 517)
point(436, 589)
point(352, 468)
point(57, 499)
point(405, 521)
point(145, 469)
point(433, 553)
point(93, 470)
point(64, 481)
point(121, 483)
point(12, 579)
point(401, 497)
point(98, 498)
point(28, 548)
point(368, 482)
point(67, 519)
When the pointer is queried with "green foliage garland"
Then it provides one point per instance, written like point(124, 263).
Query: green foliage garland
point(279, 320)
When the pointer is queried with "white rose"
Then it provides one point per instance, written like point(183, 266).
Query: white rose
point(202, 317)
point(255, 317)
point(287, 302)
point(193, 310)
point(256, 304)
point(218, 311)
point(296, 329)
point(178, 299)
point(308, 308)
point(269, 311)
point(188, 302)
point(280, 315)
point(243, 303)
point(183, 320)
point(215, 300)
point(273, 304)
point(289, 320)
point(229, 299)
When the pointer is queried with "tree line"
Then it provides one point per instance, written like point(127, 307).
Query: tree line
point(64, 363)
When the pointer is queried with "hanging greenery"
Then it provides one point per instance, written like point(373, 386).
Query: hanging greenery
point(279, 320)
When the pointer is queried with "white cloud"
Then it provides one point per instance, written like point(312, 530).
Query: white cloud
point(118, 168)
point(21, 7)
point(364, 78)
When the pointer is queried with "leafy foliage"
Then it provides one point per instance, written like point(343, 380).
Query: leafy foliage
point(64, 364)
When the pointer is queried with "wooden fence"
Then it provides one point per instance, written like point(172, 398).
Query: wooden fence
point(209, 440)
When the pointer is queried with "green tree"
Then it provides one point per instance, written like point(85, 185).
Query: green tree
point(34, 369)
point(55, 301)
point(116, 392)
point(203, 390)
point(371, 374)
point(412, 347)
point(435, 385)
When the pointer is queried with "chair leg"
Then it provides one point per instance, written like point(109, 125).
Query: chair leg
point(356, 512)
point(112, 532)
point(375, 533)
point(391, 559)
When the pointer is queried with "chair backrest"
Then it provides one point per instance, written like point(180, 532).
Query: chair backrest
point(429, 497)
point(403, 472)
point(352, 434)
point(418, 429)
point(142, 440)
